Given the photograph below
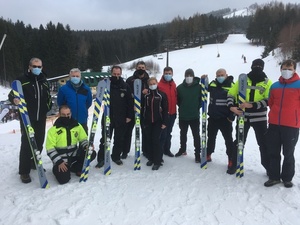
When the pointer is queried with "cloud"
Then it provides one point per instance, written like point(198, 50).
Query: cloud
point(112, 14)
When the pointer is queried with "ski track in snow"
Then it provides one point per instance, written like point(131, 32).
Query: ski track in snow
point(178, 193)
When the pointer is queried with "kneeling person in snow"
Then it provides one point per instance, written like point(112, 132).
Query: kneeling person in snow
point(62, 146)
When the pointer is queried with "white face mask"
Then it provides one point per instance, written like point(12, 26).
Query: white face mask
point(287, 74)
point(189, 80)
point(153, 87)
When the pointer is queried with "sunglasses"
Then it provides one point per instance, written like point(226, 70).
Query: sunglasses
point(34, 66)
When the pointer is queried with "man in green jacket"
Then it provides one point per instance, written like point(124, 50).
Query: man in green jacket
point(66, 144)
point(189, 104)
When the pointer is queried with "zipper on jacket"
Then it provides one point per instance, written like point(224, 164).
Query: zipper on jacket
point(38, 99)
point(281, 102)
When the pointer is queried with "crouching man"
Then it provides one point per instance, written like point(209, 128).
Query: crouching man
point(66, 144)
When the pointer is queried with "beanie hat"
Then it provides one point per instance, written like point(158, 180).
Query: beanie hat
point(189, 72)
point(258, 63)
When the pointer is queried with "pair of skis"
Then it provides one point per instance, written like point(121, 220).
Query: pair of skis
point(36, 154)
point(204, 93)
point(101, 90)
point(241, 122)
point(103, 94)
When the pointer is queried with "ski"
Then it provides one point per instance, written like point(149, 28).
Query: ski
point(97, 108)
point(106, 98)
point(137, 107)
point(18, 92)
point(204, 91)
point(3, 113)
point(241, 121)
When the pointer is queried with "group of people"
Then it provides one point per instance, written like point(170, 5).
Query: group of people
point(67, 142)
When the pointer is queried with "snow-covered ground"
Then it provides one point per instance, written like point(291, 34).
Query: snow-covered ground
point(178, 193)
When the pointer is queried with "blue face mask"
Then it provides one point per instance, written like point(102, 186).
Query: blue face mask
point(221, 79)
point(36, 71)
point(168, 77)
point(75, 80)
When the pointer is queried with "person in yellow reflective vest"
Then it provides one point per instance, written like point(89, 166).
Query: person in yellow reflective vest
point(66, 144)
point(257, 94)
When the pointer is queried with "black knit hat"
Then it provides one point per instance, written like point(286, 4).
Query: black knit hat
point(189, 72)
point(258, 63)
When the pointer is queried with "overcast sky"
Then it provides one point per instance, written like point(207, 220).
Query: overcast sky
point(112, 14)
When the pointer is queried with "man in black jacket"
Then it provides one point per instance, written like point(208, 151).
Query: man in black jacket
point(121, 113)
point(141, 74)
point(220, 117)
point(38, 99)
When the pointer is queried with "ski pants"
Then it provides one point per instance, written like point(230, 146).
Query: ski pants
point(25, 157)
point(166, 135)
point(128, 135)
point(153, 147)
point(195, 127)
point(286, 138)
point(118, 145)
point(260, 129)
point(225, 126)
point(74, 165)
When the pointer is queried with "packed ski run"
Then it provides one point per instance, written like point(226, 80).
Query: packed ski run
point(179, 193)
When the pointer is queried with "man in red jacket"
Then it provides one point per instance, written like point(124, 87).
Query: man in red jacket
point(168, 86)
point(284, 124)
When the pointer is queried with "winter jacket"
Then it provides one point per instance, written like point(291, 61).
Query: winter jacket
point(78, 99)
point(169, 88)
point(156, 107)
point(62, 140)
point(121, 102)
point(189, 100)
point(217, 107)
point(36, 94)
point(130, 80)
point(257, 93)
point(284, 102)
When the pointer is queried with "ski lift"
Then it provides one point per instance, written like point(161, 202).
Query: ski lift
point(160, 56)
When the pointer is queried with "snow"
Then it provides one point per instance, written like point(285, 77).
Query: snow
point(178, 193)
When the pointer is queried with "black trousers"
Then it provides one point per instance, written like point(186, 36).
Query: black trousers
point(128, 136)
point(25, 157)
point(153, 147)
point(118, 142)
point(195, 127)
point(166, 134)
point(286, 138)
point(260, 129)
point(225, 126)
point(74, 165)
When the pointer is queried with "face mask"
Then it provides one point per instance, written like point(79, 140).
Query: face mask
point(221, 79)
point(168, 77)
point(75, 80)
point(66, 121)
point(114, 79)
point(153, 87)
point(36, 71)
point(140, 72)
point(189, 80)
point(287, 74)
point(257, 69)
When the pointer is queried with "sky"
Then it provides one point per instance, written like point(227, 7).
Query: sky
point(112, 14)
point(179, 192)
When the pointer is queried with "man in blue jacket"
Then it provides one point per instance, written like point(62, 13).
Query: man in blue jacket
point(77, 96)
